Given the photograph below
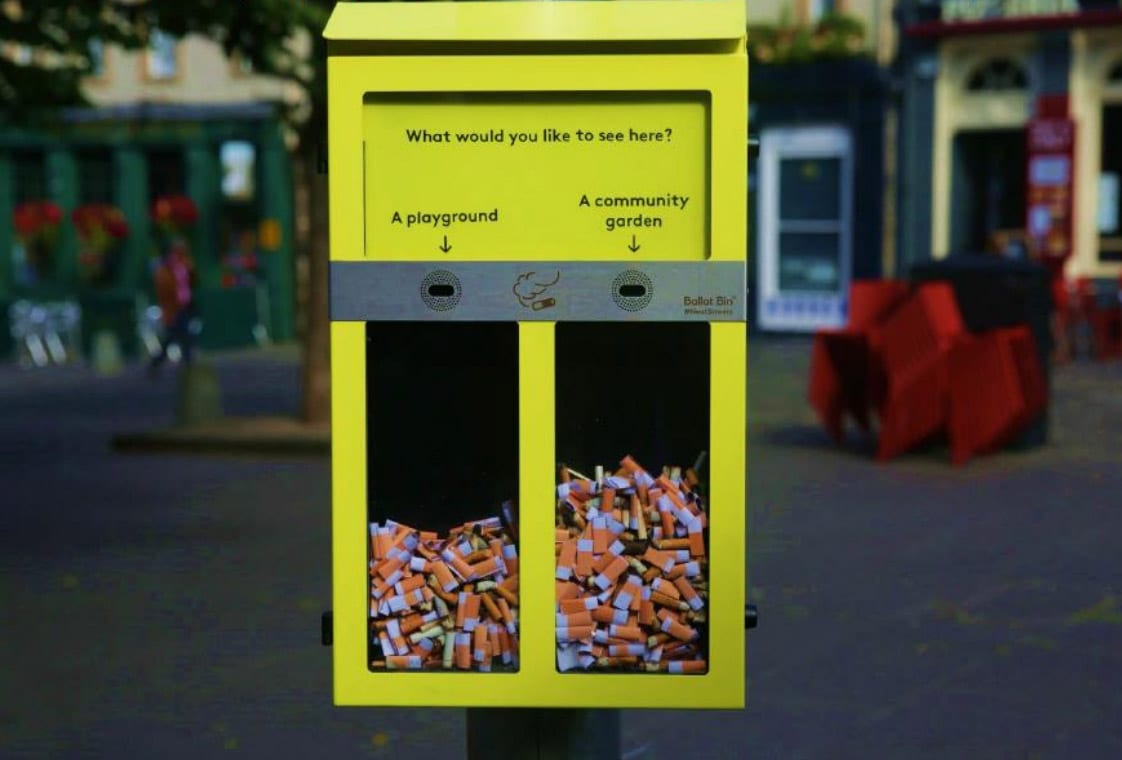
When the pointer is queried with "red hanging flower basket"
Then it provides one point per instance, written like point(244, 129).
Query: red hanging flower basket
point(101, 227)
point(36, 224)
point(174, 213)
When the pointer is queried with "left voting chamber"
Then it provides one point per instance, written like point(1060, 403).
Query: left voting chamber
point(442, 486)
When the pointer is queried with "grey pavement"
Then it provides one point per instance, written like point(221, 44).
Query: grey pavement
point(167, 606)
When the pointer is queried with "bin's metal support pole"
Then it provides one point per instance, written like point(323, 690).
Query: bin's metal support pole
point(542, 734)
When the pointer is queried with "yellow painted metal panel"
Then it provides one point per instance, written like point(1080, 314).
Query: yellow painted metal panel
point(542, 21)
point(534, 175)
point(721, 79)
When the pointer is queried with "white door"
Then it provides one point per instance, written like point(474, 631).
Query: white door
point(804, 224)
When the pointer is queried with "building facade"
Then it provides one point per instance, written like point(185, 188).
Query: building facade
point(818, 101)
point(1011, 122)
point(177, 119)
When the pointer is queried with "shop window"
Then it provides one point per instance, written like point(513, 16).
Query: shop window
point(998, 75)
point(162, 60)
point(239, 162)
point(166, 173)
point(817, 9)
point(1110, 186)
point(96, 50)
point(30, 172)
point(95, 176)
point(1114, 76)
point(805, 219)
point(988, 195)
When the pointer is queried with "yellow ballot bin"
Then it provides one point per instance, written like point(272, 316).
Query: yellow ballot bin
point(538, 353)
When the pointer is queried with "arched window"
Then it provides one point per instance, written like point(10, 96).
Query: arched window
point(998, 75)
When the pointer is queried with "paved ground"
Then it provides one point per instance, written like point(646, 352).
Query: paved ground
point(168, 606)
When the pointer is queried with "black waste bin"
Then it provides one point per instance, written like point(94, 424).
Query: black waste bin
point(993, 292)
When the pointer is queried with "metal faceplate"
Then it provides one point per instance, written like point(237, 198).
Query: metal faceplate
point(538, 291)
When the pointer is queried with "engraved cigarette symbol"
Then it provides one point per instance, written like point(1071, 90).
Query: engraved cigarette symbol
point(530, 286)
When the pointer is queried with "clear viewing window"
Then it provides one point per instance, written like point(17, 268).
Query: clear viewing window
point(632, 514)
point(442, 421)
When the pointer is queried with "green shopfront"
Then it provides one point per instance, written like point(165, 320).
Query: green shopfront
point(231, 161)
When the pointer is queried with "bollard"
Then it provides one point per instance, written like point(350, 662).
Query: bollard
point(199, 398)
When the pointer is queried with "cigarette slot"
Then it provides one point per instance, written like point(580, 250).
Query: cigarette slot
point(631, 582)
point(443, 602)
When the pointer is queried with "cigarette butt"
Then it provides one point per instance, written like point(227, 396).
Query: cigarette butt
point(410, 583)
point(511, 583)
point(638, 516)
point(668, 601)
point(688, 666)
point(607, 499)
point(449, 650)
point(626, 650)
point(496, 642)
point(584, 558)
point(666, 587)
point(411, 623)
point(567, 560)
point(508, 596)
point(478, 556)
point(405, 662)
point(434, 584)
point(471, 606)
point(599, 473)
point(611, 573)
point(696, 540)
point(481, 644)
point(628, 632)
point(507, 615)
point(629, 593)
point(667, 522)
point(680, 631)
point(616, 662)
point(491, 607)
point(389, 568)
point(510, 557)
point(574, 620)
point(560, 535)
point(571, 606)
point(463, 651)
point(600, 535)
point(431, 633)
point(566, 590)
point(660, 559)
point(488, 567)
point(574, 634)
point(646, 612)
point(689, 593)
point(461, 609)
point(607, 615)
point(563, 473)
point(672, 543)
point(601, 563)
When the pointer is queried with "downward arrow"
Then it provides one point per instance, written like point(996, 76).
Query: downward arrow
point(446, 247)
point(634, 246)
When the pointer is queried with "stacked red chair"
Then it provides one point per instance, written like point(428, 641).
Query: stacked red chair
point(997, 387)
point(844, 368)
point(914, 343)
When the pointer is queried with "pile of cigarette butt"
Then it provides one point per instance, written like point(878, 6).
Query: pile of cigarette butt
point(630, 571)
point(443, 603)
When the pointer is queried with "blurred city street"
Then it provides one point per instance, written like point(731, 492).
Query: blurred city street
point(168, 606)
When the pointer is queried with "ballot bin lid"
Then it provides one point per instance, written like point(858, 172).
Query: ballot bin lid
point(534, 20)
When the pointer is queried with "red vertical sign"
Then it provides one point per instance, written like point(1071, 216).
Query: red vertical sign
point(1050, 192)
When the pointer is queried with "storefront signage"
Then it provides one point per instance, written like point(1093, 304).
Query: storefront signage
point(1051, 159)
point(975, 10)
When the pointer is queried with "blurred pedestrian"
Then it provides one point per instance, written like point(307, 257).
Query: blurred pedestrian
point(174, 281)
